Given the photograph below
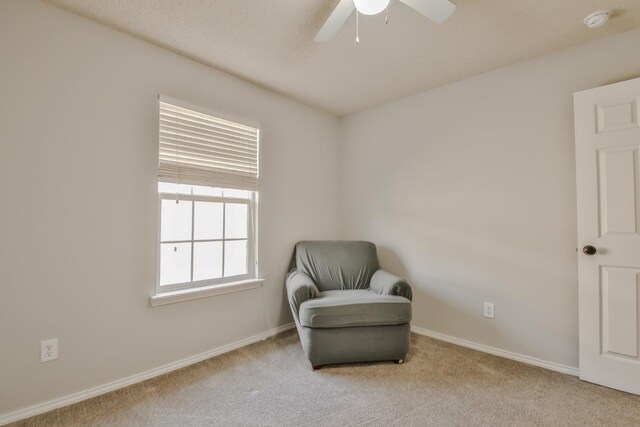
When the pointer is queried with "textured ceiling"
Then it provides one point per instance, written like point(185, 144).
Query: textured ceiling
point(270, 42)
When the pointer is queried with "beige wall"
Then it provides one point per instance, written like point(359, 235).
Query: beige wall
point(469, 190)
point(78, 161)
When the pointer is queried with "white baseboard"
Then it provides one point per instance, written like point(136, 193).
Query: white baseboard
point(498, 352)
point(124, 382)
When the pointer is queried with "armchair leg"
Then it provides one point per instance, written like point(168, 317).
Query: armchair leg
point(316, 367)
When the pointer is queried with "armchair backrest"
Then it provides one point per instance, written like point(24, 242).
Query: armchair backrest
point(334, 265)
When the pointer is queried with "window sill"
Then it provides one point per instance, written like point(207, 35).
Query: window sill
point(164, 298)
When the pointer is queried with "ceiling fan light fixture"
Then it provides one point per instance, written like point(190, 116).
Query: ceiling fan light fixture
point(371, 7)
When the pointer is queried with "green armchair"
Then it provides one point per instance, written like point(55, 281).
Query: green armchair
point(346, 309)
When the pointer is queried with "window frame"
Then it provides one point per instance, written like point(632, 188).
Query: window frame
point(252, 244)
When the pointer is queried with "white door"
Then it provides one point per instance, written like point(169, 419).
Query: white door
point(607, 123)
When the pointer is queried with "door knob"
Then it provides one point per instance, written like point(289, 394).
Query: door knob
point(589, 250)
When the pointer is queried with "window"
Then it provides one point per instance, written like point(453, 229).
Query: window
point(207, 193)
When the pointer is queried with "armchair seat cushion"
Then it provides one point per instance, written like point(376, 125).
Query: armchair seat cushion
point(351, 308)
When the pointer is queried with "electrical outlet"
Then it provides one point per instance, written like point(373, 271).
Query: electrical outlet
point(489, 310)
point(48, 350)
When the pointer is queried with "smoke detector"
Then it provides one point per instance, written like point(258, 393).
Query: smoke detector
point(597, 19)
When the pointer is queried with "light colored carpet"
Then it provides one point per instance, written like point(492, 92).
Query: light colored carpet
point(271, 384)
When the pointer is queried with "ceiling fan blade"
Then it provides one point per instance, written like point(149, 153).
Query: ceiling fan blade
point(336, 20)
point(436, 10)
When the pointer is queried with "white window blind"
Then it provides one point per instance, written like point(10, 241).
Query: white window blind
point(201, 149)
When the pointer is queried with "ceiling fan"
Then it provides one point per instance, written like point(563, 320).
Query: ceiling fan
point(436, 10)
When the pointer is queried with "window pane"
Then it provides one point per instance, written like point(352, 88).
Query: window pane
point(207, 220)
point(239, 194)
point(175, 263)
point(235, 221)
point(200, 190)
point(176, 220)
point(235, 258)
point(173, 188)
point(207, 260)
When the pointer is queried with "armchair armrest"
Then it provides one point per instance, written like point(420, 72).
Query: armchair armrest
point(384, 283)
point(300, 288)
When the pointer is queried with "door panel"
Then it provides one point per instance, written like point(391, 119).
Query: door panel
point(608, 194)
point(617, 115)
point(620, 311)
point(618, 172)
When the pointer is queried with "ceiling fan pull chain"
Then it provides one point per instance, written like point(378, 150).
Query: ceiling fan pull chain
point(357, 27)
point(386, 15)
